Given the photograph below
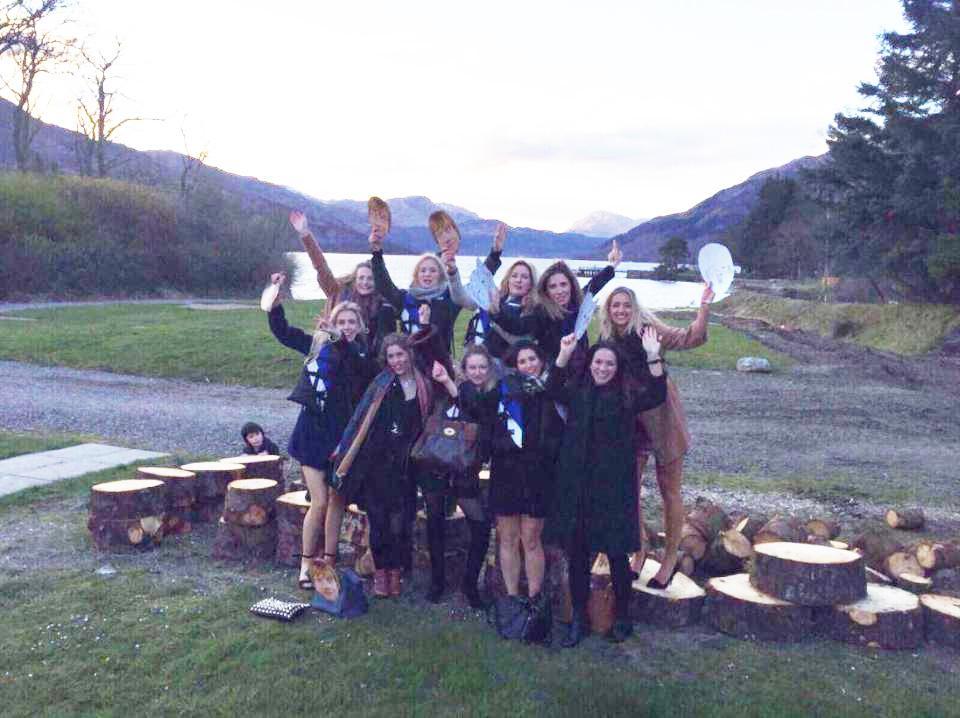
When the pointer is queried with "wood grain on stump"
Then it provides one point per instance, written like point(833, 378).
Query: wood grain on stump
point(904, 519)
point(677, 605)
point(808, 575)
point(840, 544)
point(913, 583)
point(128, 499)
point(751, 524)
point(781, 528)
point(213, 477)
point(238, 543)
point(942, 619)
point(259, 466)
point(887, 617)
point(824, 528)
point(735, 607)
point(901, 562)
point(251, 502)
point(181, 496)
point(935, 556)
point(291, 508)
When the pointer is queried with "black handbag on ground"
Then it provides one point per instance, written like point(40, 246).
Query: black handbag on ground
point(520, 619)
point(446, 444)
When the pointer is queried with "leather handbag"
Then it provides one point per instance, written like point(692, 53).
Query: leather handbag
point(446, 444)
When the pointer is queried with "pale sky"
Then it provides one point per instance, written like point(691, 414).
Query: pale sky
point(536, 113)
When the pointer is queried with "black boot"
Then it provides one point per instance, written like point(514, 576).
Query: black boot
point(620, 631)
point(578, 630)
point(479, 542)
point(435, 529)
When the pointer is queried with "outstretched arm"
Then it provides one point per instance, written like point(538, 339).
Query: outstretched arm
point(328, 283)
point(290, 337)
point(693, 335)
point(492, 261)
point(381, 279)
point(656, 390)
point(457, 293)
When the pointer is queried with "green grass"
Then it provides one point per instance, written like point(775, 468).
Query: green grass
point(17, 443)
point(229, 346)
point(900, 328)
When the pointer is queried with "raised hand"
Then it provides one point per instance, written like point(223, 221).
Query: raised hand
point(708, 294)
point(423, 314)
point(651, 343)
point(567, 345)
point(494, 300)
point(299, 222)
point(439, 373)
point(449, 260)
point(499, 237)
point(615, 254)
point(376, 241)
point(278, 278)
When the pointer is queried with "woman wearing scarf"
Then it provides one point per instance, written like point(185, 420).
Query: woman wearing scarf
point(372, 461)
point(336, 371)
point(435, 282)
point(595, 500)
point(558, 301)
point(661, 431)
point(358, 286)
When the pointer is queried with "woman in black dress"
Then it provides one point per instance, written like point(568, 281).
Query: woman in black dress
point(595, 502)
point(335, 374)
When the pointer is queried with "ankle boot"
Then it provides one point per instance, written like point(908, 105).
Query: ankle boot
point(578, 630)
point(479, 542)
point(435, 546)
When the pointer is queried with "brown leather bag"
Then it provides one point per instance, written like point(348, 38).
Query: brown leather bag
point(446, 445)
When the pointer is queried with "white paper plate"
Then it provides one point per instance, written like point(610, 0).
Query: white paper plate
point(269, 296)
point(716, 267)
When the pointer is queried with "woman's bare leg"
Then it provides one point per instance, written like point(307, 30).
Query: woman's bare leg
point(668, 479)
point(508, 534)
point(332, 522)
point(533, 558)
point(313, 520)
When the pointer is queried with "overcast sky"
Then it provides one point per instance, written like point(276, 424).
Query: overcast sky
point(535, 113)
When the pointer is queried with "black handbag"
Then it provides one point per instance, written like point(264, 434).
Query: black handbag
point(446, 444)
point(520, 619)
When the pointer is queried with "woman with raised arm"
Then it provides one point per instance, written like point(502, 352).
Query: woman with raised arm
point(558, 300)
point(661, 431)
point(372, 461)
point(595, 502)
point(516, 296)
point(336, 371)
point(436, 281)
point(358, 286)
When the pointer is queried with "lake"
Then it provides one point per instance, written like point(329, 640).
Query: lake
point(654, 294)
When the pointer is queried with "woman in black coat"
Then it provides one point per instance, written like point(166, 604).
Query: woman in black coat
point(595, 501)
point(335, 374)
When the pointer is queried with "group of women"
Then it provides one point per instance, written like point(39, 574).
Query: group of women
point(567, 428)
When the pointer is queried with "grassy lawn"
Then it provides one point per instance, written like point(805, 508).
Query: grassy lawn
point(899, 328)
point(229, 346)
point(16, 443)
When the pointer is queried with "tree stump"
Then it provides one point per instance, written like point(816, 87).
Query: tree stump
point(750, 525)
point(556, 579)
point(181, 496)
point(874, 576)
point(942, 619)
point(840, 544)
point(808, 575)
point(727, 553)
point(677, 605)
point(935, 556)
point(251, 502)
point(127, 513)
point(823, 528)
point(733, 606)
point(259, 466)
point(242, 543)
point(781, 528)
point(904, 519)
point(291, 508)
point(887, 618)
point(211, 487)
point(914, 583)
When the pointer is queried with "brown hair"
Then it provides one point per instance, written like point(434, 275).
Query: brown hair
point(554, 310)
point(479, 350)
point(505, 282)
point(375, 204)
point(440, 219)
point(399, 340)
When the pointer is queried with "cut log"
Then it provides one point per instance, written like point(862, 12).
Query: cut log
point(913, 583)
point(939, 555)
point(808, 575)
point(677, 605)
point(241, 543)
point(942, 619)
point(901, 562)
point(144, 532)
point(905, 519)
point(824, 528)
point(887, 617)
point(875, 546)
point(877, 577)
point(727, 553)
point(251, 502)
point(692, 542)
point(291, 508)
point(213, 478)
point(709, 519)
point(685, 563)
point(128, 499)
point(733, 606)
point(750, 525)
point(781, 528)
point(181, 485)
point(259, 466)
point(840, 544)
point(295, 485)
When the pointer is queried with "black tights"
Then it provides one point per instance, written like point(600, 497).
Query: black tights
point(436, 527)
point(578, 554)
point(387, 537)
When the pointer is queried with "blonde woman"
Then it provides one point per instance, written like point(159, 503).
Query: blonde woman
point(662, 431)
point(336, 372)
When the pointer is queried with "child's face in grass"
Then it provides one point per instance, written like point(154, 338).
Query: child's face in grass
point(255, 439)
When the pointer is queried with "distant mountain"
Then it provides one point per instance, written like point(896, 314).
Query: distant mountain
point(603, 224)
point(707, 221)
point(340, 225)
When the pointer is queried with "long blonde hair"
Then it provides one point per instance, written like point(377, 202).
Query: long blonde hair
point(433, 258)
point(321, 337)
point(531, 296)
point(641, 316)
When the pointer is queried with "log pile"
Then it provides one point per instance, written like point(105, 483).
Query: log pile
point(213, 477)
point(181, 496)
point(905, 519)
point(127, 513)
point(259, 466)
point(291, 508)
point(247, 529)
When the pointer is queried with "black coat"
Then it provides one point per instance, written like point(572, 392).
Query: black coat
point(596, 477)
